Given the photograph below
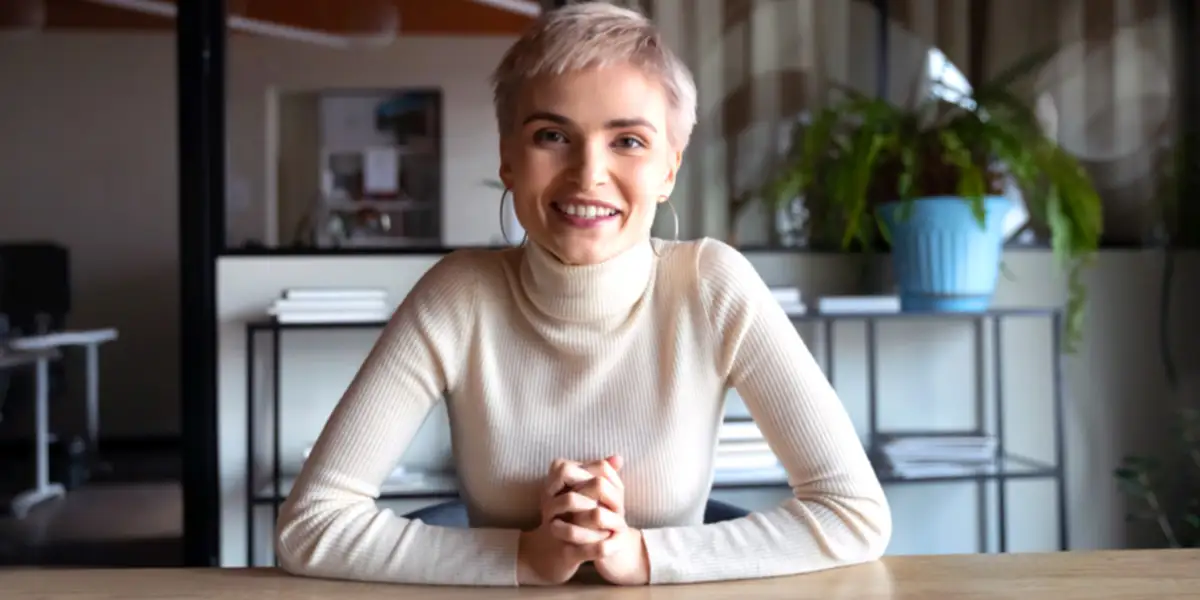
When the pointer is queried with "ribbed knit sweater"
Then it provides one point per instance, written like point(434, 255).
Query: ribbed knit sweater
point(538, 360)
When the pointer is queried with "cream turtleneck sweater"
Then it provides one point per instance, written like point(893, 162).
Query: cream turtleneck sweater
point(537, 361)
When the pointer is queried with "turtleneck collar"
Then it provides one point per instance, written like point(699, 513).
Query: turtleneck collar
point(588, 292)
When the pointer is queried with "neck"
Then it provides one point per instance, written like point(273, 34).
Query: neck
point(587, 292)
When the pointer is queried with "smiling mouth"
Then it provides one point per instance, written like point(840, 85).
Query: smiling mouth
point(585, 211)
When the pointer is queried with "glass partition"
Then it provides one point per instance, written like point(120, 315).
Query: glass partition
point(89, 246)
point(1105, 89)
point(1098, 75)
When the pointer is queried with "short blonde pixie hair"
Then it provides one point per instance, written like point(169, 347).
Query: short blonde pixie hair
point(590, 35)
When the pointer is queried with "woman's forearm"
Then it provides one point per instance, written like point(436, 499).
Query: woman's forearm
point(334, 536)
point(798, 536)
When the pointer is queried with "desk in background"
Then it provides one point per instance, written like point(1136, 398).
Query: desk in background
point(90, 341)
point(1110, 575)
point(39, 350)
point(43, 489)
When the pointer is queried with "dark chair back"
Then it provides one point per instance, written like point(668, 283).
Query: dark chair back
point(35, 297)
point(35, 286)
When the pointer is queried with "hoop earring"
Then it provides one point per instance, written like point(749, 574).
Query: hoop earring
point(504, 233)
point(674, 220)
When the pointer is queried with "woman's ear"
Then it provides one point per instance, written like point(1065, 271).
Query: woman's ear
point(505, 172)
point(672, 174)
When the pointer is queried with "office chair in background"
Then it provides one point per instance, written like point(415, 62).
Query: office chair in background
point(35, 299)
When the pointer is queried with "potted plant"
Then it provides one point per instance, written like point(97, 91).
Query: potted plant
point(1167, 493)
point(927, 182)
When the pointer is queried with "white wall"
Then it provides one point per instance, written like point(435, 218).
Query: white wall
point(87, 160)
point(88, 153)
point(1115, 403)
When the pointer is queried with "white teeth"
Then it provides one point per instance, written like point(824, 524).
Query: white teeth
point(587, 211)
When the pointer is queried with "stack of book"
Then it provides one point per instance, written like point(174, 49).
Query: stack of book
point(938, 456)
point(744, 456)
point(331, 305)
point(790, 299)
point(858, 305)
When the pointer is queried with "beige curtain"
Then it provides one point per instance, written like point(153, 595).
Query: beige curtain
point(759, 64)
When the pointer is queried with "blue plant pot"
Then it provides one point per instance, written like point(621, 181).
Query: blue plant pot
point(944, 261)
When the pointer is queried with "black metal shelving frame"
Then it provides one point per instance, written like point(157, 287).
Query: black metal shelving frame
point(1008, 466)
point(254, 497)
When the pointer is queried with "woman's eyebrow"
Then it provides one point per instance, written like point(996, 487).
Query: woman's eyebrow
point(612, 124)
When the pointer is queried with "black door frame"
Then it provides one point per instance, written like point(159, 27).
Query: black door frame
point(200, 56)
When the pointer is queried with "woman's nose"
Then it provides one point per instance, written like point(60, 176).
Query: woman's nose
point(590, 168)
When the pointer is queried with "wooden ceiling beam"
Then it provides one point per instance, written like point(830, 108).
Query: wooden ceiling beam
point(369, 17)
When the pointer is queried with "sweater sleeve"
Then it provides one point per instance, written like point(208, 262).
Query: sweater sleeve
point(837, 514)
point(330, 525)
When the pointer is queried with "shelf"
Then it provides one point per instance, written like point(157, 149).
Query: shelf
point(272, 325)
point(1015, 312)
point(428, 485)
point(385, 240)
point(445, 485)
point(396, 205)
point(1000, 312)
point(1008, 467)
point(942, 315)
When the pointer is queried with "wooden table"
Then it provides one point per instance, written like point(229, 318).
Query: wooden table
point(1148, 574)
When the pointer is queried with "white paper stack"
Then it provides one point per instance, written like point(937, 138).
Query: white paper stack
point(331, 305)
point(841, 305)
point(790, 299)
point(743, 455)
point(939, 456)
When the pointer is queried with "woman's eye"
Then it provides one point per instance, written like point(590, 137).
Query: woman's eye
point(630, 142)
point(549, 135)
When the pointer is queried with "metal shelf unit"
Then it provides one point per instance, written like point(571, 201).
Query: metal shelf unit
point(1008, 466)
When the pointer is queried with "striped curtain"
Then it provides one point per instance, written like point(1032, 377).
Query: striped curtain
point(760, 63)
point(641, 5)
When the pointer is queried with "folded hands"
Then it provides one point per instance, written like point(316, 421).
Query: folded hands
point(583, 520)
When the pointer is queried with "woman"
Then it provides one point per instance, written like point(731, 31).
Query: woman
point(585, 372)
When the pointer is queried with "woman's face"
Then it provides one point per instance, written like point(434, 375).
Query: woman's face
point(588, 161)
